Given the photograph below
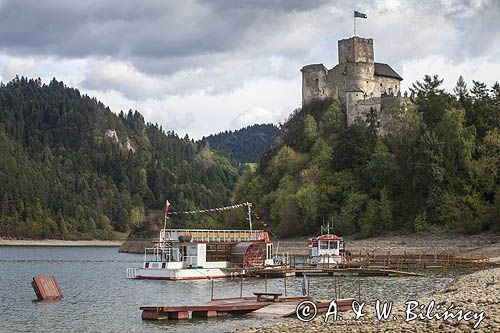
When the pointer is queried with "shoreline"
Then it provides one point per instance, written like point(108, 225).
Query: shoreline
point(60, 242)
point(477, 292)
point(480, 244)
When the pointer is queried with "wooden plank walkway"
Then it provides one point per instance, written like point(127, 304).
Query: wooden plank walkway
point(287, 308)
point(284, 272)
point(399, 262)
point(275, 310)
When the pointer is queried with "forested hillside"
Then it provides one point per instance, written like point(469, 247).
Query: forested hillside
point(437, 169)
point(246, 144)
point(70, 168)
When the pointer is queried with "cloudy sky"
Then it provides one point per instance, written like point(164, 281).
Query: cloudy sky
point(201, 67)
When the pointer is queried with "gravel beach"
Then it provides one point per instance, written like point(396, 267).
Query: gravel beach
point(481, 244)
point(477, 294)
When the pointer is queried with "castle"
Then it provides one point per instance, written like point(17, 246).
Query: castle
point(358, 82)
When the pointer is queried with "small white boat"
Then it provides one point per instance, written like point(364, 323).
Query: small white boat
point(327, 248)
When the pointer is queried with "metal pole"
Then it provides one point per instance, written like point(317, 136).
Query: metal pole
point(354, 26)
point(284, 281)
point(335, 286)
point(339, 286)
point(212, 293)
point(266, 281)
point(241, 287)
point(359, 290)
point(249, 205)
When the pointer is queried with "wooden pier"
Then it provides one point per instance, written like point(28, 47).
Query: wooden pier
point(281, 272)
point(377, 264)
point(275, 307)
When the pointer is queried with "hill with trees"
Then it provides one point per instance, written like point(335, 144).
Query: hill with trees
point(436, 169)
point(244, 145)
point(70, 168)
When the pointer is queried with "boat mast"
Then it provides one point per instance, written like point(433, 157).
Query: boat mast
point(167, 204)
point(249, 214)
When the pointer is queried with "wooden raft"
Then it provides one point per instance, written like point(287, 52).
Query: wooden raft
point(214, 308)
point(46, 288)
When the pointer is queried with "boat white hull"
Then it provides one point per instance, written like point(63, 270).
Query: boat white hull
point(183, 273)
point(325, 260)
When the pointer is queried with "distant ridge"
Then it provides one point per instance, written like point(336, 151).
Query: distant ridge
point(244, 145)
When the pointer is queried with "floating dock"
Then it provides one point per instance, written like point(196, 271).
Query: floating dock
point(266, 307)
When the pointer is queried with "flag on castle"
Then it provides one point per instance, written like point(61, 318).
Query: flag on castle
point(359, 14)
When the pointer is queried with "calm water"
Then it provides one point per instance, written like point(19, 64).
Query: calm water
point(99, 297)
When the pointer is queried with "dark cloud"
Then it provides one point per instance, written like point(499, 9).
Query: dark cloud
point(142, 30)
point(164, 50)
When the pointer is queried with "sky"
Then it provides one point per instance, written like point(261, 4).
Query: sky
point(201, 67)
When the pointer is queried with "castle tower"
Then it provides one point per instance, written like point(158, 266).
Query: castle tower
point(356, 49)
point(357, 63)
point(315, 83)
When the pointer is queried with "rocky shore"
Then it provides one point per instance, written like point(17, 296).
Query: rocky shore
point(477, 294)
point(481, 244)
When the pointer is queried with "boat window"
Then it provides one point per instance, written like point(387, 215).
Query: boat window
point(333, 245)
point(323, 245)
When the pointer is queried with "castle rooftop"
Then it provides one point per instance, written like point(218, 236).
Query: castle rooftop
point(386, 70)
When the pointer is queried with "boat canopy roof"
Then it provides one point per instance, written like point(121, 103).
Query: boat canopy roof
point(325, 237)
point(206, 235)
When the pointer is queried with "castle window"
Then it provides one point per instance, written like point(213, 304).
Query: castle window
point(381, 84)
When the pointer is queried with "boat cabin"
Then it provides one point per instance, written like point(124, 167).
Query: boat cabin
point(326, 249)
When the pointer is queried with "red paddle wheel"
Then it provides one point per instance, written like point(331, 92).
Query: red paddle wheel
point(248, 255)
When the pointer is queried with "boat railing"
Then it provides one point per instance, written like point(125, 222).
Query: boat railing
point(131, 273)
point(164, 253)
point(204, 235)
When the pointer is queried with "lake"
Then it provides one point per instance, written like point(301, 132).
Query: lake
point(99, 298)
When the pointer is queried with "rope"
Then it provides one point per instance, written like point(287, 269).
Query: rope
point(210, 210)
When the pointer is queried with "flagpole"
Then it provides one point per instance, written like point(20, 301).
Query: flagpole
point(354, 19)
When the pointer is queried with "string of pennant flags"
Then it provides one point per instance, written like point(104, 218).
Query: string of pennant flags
point(210, 210)
point(218, 209)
